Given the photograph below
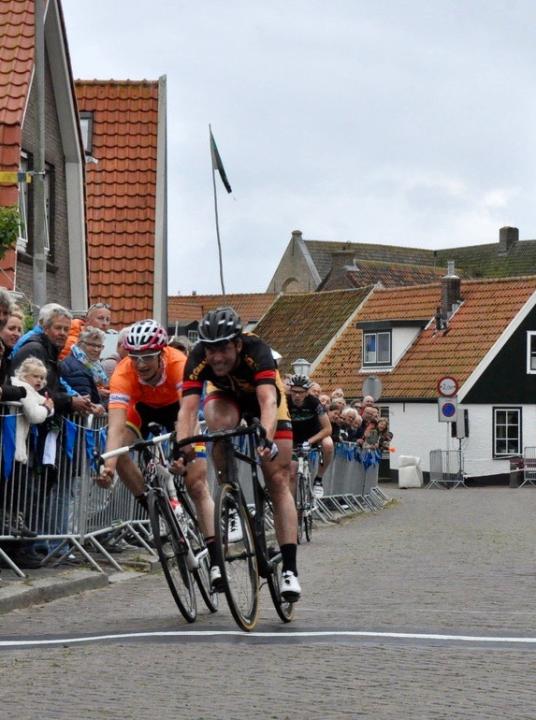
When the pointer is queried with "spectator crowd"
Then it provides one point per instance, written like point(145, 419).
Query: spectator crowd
point(60, 367)
point(355, 421)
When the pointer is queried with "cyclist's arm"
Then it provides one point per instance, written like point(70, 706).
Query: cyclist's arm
point(116, 425)
point(117, 418)
point(187, 418)
point(267, 399)
point(325, 430)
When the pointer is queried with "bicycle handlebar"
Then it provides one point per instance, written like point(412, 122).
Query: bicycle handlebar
point(255, 428)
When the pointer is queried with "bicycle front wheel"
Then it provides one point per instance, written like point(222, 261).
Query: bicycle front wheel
point(172, 552)
point(300, 505)
point(236, 556)
point(308, 506)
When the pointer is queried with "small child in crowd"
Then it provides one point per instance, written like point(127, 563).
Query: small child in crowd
point(36, 408)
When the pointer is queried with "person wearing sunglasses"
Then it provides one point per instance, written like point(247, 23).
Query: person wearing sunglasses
point(242, 378)
point(145, 388)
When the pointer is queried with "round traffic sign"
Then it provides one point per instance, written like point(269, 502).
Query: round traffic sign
point(447, 386)
point(448, 409)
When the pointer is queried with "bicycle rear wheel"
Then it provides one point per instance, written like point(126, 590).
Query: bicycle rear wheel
point(172, 552)
point(236, 556)
point(284, 609)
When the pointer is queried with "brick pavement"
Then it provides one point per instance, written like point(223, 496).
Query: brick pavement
point(460, 561)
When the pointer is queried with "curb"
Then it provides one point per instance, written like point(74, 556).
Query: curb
point(42, 590)
point(19, 594)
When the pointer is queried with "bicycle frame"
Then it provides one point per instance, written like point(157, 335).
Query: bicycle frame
point(255, 433)
point(163, 485)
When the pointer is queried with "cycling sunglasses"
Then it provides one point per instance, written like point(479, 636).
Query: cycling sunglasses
point(143, 359)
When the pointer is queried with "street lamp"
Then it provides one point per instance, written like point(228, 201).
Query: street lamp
point(301, 367)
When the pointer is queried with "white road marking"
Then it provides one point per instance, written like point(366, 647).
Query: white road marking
point(484, 639)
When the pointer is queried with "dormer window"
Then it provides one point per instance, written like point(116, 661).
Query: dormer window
point(377, 348)
point(86, 126)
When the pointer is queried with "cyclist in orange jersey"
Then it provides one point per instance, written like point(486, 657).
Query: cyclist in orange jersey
point(145, 387)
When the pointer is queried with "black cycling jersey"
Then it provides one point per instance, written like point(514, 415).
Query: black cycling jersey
point(305, 422)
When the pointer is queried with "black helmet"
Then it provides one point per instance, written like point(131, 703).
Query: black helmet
point(219, 326)
point(300, 381)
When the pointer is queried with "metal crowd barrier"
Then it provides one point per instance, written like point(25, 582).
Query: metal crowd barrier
point(529, 466)
point(446, 469)
point(49, 500)
point(350, 483)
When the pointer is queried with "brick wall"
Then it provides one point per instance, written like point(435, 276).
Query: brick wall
point(58, 276)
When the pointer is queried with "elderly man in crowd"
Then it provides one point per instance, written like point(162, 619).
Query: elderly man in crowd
point(46, 345)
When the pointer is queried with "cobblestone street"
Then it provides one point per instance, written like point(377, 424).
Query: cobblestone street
point(457, 562)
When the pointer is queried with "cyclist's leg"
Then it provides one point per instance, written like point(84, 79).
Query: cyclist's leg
point(277, 476)
point(196, 481)
point(293, 478)
point(221, 413)
point(327, 452)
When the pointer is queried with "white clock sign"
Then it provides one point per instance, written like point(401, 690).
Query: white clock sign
point(447, 386)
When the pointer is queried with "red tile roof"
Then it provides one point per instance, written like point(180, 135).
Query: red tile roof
point(300, 325)
point(472, 331)
point(121, 194)
point(250, 306)
point(16, 62)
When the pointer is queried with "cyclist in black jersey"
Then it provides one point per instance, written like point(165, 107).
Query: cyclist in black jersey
point(310, 423)
point(241, 378)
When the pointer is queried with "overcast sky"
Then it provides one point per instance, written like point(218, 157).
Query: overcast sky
point(402, 122)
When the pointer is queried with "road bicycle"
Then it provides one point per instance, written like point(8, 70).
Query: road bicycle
point(246, 546)
point(305, 503)
point(177, 538)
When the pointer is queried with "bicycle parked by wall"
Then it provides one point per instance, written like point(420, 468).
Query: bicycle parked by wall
point(246, 546)
point(177, 538)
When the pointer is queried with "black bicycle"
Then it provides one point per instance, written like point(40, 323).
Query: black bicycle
point(177, 538)
point(245, 539)
point(305, 503)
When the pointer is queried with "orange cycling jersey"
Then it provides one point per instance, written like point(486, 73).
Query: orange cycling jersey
point(126, 388)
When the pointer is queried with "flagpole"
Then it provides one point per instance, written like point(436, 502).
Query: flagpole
point(217, 221)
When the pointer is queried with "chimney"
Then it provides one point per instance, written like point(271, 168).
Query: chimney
point(508, 237)
point(450, 292)
point(343, 260)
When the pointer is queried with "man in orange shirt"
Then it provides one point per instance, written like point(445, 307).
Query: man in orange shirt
point(98, 315)
point(146, 387)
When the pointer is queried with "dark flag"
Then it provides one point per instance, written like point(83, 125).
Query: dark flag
point(217, 163)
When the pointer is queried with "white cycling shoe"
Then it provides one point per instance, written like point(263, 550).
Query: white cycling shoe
point(290, 587)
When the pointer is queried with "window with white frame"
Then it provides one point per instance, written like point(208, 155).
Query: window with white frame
point(193, 336)
point(377, 348)
point(531, 352)
point(86, 126)
point(507, 438)
point(24, 201)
